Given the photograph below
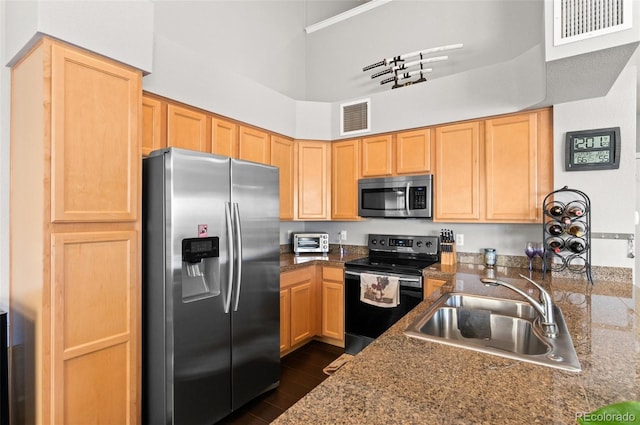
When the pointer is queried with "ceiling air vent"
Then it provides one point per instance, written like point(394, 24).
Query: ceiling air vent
point(354, 117)
point(576, 20)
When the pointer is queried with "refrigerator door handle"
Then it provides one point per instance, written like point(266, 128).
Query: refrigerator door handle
point(236, 214)
point(230, 248)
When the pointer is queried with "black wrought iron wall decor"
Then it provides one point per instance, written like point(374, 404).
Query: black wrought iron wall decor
point(399, 67)
point(566, 232)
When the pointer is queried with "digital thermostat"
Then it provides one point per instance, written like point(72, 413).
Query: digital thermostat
point(593, 149)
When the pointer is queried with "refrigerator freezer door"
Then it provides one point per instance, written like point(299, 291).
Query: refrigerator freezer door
point(187, 360)
point(256, 313)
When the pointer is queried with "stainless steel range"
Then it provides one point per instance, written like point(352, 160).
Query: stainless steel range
point(386, 285)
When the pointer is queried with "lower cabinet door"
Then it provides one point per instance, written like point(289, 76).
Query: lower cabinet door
point(285, 320)
point(302, 326)
point(95, 352)
point(333, 303)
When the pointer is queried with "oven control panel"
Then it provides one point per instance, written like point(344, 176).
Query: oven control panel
point(404, 243)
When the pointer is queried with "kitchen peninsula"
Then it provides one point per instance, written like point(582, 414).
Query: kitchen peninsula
point(402, 380)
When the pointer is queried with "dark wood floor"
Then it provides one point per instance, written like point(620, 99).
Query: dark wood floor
point(300, 372)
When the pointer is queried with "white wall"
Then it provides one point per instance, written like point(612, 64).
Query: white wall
point(122, 30)
point(611, 191)
point(495, 89)
point(193, 78)
point(337, 54)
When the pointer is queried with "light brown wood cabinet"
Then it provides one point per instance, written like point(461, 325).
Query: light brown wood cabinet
point(285, 320)
point(187, 128)
point(518, 166)
point(495, 170)
point(345, 172)
point(254, 145)
point(282, 156)
point(332, 287)
point(75, 246)
point(313, 164)
point(457, 186)
point(153, 136)
point(377, 156)
point(413, 152)
point(224, 137)
point(302, 314)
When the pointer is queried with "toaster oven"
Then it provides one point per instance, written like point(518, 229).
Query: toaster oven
point(309, 243)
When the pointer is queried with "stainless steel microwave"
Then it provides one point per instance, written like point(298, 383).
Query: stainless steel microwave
point(396, 197)
point(310, 242)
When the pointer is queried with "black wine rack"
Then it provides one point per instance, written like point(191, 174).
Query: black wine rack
point(566, 232)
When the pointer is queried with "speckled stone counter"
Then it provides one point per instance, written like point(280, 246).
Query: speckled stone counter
point(289, 261)
point(402, 380)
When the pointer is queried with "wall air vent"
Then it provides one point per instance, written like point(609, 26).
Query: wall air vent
point(576, 20)
point(354, 117)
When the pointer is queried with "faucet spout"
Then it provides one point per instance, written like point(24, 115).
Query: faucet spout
point(544, 307)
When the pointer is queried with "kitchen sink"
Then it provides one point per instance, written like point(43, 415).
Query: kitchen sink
point(502, 327)
point(513, 308)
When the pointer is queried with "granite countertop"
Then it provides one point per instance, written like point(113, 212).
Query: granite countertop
point(289, 261)
point(402, 380)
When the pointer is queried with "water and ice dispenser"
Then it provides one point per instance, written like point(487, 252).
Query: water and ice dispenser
point(200, 268)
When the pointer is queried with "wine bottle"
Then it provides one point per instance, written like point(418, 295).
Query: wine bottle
point(576, 245)
point(555, 244)
point(575, 209)
point(577, 228)
point(554, 228)
point(556, 210)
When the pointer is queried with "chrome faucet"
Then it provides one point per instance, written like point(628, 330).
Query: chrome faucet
point(544, 307)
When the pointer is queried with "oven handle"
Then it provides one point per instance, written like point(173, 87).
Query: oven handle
point(402, 277)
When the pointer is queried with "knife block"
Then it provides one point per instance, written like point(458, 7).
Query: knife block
point(448, 253)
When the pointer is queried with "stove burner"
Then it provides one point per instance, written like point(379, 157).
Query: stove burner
point(409, 257)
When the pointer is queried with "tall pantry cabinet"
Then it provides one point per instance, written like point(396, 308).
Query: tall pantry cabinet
point(75, 238)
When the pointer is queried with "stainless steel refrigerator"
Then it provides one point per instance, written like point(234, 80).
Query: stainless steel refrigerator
point(211, 285)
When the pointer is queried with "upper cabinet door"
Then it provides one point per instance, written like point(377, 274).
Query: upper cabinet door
point(345, 171)
point(254, 145)
point(377, 156)
point(95, 138)
point(515, 146)
point(152, 125)
point(314, 173)
point(413, 152)
point(282, 156)
point(186, 128)
point(457, 188)
point(224, 137)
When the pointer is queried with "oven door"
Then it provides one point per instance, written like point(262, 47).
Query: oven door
point(365, 322)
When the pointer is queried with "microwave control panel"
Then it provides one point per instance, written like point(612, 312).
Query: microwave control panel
point(418, 198)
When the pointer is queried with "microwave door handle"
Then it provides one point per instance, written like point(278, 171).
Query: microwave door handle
point(230, 249)
point(406, 199)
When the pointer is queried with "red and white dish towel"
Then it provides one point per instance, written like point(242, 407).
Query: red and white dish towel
point(380, 290)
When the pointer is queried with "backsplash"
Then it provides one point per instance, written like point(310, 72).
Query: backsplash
point(613, 274)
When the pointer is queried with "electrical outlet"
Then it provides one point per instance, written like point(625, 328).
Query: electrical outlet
point(343, 235)
point(459, 239)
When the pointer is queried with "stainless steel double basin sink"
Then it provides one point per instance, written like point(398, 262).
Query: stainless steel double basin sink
point(502, 327)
